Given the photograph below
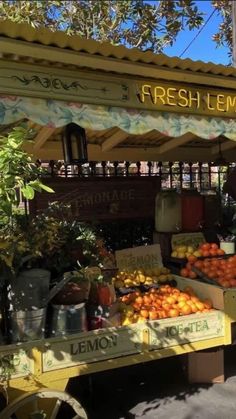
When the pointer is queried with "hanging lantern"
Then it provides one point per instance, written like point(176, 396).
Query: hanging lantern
point(74, 144)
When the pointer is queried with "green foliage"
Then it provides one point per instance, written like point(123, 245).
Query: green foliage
point(18, 173)
point(224, 36)
point(49, 241)
point(134, 23)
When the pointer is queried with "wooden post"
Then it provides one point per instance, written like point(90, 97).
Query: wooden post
point(234, 31)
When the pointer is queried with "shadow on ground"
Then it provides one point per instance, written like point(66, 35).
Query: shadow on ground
point(157, 389)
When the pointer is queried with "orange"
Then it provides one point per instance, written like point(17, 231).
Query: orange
point(192, 259)
point(173, 312)
point(186, 309)
point(144, 313)
point(225, 283)
point(205, 246)
point(198, 264)
point(170, 300)
point(176, 291)
point(139, 300)
point(232, 282)
point(208, 303)
point(181, 304)
point(200, 306)
point(212, 274)
point(147, 300)
point(192, 275)
point(213, 252)
point(162, 314)
point(184, 272)
point(194, 299)
point(136, 306)
point(153, 315)
point(166, 306)
point(193, 307)
point(184, 295)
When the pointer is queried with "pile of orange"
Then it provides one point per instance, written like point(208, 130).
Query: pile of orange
point(210, 249)
point(222, 271)
point(161, 303)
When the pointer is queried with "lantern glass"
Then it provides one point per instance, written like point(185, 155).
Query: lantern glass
point(74, 144)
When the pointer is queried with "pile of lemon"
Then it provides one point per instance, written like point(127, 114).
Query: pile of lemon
point(150, 276)
point(183, 252)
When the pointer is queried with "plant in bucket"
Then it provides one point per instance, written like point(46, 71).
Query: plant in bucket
point(67, 313)
point(19, 175)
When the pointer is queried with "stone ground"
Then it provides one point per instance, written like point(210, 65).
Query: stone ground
point(157, 390)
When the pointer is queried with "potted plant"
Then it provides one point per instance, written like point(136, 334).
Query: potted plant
point(19, 176)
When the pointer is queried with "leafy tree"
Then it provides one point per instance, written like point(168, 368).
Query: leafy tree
point(18, 173)
point(134, 23)
point(224, 34)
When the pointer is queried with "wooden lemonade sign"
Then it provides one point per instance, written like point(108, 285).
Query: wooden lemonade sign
point(139, 257)
point(93, 346)
point(101, 198)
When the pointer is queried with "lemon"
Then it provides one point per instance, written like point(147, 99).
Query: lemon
point(181, 255)
point(190, 249)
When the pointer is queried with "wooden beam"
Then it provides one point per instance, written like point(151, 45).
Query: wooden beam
point(98, 62)
point(42, 137)
point(176, 142)
point(228, 145)
point(114, 140)
point(53, 150)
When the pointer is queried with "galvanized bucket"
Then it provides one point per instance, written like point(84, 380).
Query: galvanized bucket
point(27, 325)
point(29, 289)
point(66, 320)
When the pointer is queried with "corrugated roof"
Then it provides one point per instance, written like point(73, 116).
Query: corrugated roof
point(75, 43)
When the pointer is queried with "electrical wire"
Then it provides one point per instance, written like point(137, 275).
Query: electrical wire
point(200, 30)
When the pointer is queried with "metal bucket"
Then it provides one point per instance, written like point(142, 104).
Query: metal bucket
point(27, 325)
point(29, 290)
point(66, 320)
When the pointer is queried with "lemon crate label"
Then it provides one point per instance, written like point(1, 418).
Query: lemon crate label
point(139, 257)
point(186, 329)
point(93, 346)
point(16, 364)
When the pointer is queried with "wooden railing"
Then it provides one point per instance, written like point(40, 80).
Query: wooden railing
point(178, 175)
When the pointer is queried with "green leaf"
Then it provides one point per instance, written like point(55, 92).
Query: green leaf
point(36, 185)
point(28, 192)
point(46, 188)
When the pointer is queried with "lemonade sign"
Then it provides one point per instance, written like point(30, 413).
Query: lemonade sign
point(141, 257)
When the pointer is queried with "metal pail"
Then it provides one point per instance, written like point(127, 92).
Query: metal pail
point(67, 319)
point(29, 289)
point(27, 325)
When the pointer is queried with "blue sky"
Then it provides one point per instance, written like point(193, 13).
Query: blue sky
point(203, 48)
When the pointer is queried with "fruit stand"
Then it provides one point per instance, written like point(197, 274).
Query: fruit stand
point(119, 96)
